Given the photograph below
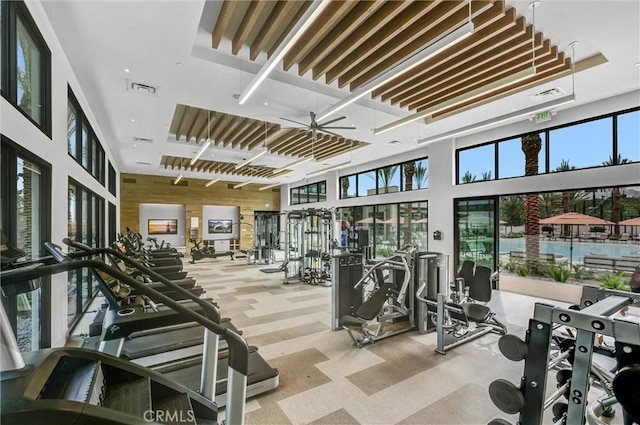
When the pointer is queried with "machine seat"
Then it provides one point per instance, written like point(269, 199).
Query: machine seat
point(477, 312)
point(351, 321)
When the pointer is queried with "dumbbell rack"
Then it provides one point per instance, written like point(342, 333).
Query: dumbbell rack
point(592, 318)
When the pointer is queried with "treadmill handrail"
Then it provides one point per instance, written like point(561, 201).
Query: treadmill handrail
point(209, 309)
point(238, 348)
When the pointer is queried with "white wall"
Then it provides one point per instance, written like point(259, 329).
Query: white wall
point(16, 127)
point(164, 212)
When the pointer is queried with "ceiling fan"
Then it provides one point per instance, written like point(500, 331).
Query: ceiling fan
point(324, 127)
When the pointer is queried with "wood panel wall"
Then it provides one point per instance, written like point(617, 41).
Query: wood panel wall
point(193, 195)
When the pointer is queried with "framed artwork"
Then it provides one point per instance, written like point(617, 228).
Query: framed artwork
point(220, 226)
point(162, 226)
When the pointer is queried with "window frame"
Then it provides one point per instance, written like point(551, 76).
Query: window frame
point(295, 193)
point(11, 12)
point(97, 170)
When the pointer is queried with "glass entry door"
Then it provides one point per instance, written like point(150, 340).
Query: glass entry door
point(475, 230)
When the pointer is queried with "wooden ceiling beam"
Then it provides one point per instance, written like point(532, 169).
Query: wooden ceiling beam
point(443, 78)
point(374, 23)
point(173, 162)
point(315, 146)
point(275, 22)
point(328, 19)
point(245, 129)
point(472, 45)
point(249, 21)
point(301, 137)
point(226, 12)
point(163, 161)
point(394, 32)
point(224, 135)
point(219, 127)
point(256, 134)
point(299, 14)
point(485, 78)
point(206, 130)
point(196, 124)
point(184, 122)
point(270, 131)
point(286, 138)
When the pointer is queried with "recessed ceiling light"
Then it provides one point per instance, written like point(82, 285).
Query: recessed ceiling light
point(132, 120)
point(135, 146)
point(126, 70)
point(636, 64)
point(266, 104)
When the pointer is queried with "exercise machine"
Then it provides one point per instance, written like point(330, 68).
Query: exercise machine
point(74, 385)
point(265, 238)
point(207, 250)
point(593, 317)
point(467, 317)
point(309, 239)
point(388, 287)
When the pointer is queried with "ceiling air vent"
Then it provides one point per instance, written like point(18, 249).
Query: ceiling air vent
point(142, 140)
point(547, 95)
point(140, 88)
point(180, 183)
point(129, 180)
point(142, 162)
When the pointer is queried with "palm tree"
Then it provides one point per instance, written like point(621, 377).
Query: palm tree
point(564, 166)
point(344, 183)
point(615, 192)
point(548, 204)
point(409, 172)
point(421, 174)
point(468, 177)
point(385, 176)
point(486, 175)
point(512, 210)
point(531, 145)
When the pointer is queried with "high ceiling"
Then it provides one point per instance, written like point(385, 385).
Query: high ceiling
point(164, 77)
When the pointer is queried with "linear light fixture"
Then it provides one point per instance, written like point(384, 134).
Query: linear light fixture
point(178, 179)
point(291, 165)
point(239, 185)
point(431, 50)
point(200, 152)
point(503, 118)
point(324, 170)
point(465, 97)
point(269, 186)
point(210, 182)
point(292, 37)
point(249, 160)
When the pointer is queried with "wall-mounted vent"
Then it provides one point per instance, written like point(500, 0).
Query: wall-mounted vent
point(180, 183)
point(142, 162)
point(129, 180)
point(547, 95)
point(142, 140)
point(141, 88)
point(394, 142)
point(230, 186)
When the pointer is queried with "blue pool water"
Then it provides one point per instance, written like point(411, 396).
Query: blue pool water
point(580, 249)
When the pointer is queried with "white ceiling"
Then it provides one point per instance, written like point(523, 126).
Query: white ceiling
point(167, 44)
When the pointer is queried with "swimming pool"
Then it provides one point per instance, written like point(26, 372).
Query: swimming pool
point(580, 249)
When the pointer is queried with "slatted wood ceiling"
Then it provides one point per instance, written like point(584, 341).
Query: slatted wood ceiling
point(193, 124)
point(218, 167)
point(352, 42)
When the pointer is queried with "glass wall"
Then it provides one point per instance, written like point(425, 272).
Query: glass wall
point(389, 226)
point(601, 141)
point(310, 193)
point(85, 224)
point(82, 143)
point(26, 196)
point(411, 175)
point(475, 231)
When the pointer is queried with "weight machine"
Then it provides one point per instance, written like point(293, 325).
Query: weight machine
point(308, 242)
point(265, 237)
point(623, 386)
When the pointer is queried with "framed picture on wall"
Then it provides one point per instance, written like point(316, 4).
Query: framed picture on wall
point(157, 226)
point(220, 226)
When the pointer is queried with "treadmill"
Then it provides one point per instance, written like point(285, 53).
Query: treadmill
point(73, 385)
point(121, 321)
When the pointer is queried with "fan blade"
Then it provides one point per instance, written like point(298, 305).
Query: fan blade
point(297, 122)
point(313, 118)
point(330, 121)
point(341, 128)
point(322, 130)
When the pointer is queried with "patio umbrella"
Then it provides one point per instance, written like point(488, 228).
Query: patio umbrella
point(368, 220)
point(630, 222)
point(574, 218)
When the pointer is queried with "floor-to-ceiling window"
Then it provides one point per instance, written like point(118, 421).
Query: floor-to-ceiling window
point(475, 231)
point(86, 224)
point(26, 197)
